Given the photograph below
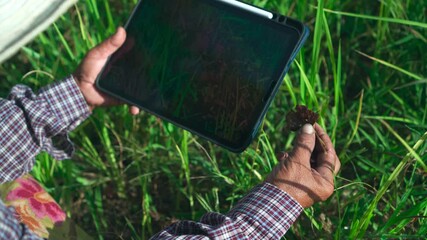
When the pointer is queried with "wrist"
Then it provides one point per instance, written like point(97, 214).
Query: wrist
point(291, 188)
point(84, 90)
point(285, 189)
point(66, 101)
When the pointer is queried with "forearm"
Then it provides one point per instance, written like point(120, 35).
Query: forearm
point(265, 213)
point(29, 122)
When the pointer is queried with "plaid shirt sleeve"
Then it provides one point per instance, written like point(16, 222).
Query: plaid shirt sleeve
point(31, 123)
point(265, 213)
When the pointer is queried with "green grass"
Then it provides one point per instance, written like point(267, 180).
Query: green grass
point(363, 69)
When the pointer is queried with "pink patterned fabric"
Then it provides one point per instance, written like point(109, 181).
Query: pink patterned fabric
point(33, 205)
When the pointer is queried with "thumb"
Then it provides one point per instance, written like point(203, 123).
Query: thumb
point(110, 45)
point(304, 145)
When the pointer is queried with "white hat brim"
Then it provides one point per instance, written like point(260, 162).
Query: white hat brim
point(23, 20)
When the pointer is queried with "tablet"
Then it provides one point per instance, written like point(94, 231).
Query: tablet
point(211, 67)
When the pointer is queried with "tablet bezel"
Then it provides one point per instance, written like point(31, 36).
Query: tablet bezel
point(277, 21)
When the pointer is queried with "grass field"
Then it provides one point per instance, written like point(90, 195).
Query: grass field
point(363, 69)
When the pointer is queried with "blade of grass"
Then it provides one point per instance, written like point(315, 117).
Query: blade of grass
point(64, 42)
point(147, 208)
point(317, 38)
point(204, 201)
point(384, 19)
point(394, 119)
point(302, 85)
point(337, 93)
point(406, 145)
point(269, 156)
point(363, 223)
point(112, 160)
point(81, 24)
point(397, 218)
point(356, 126)
point(290, 88)
point(383, 138)
point(132, 229)
point(183, 153)
point(111, 23)
point(310, 90)
point(94, 201)
point(423, 81)
point(391, 66)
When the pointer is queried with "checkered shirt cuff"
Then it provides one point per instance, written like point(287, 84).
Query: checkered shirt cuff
point(66, 101)
point(69, 106)
point(270, 211)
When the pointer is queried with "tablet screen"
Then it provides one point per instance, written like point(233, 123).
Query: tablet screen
point(201, 64)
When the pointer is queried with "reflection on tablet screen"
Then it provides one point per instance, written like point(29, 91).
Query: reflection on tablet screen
point(205, 68)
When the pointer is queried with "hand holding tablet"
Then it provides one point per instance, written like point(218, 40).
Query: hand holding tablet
point(209, 66)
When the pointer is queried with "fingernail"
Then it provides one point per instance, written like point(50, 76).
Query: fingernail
point(117, 31)
point(307, 129)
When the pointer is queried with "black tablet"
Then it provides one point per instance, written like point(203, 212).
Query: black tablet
point(209, 66)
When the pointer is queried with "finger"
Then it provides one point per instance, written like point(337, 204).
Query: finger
point(110, 45)
point(337, 165)
point(327, 160)
point(134, 110)
point(108, 101)
point(282, 156)
point(304, 145)
point(323, 136)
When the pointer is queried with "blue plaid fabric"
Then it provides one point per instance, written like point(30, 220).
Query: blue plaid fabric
point(10, 228)
point(32, 123)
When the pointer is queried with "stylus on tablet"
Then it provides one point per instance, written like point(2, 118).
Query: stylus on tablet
point(250, 8)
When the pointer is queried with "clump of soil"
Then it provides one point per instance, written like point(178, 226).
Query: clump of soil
point(301, 115)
